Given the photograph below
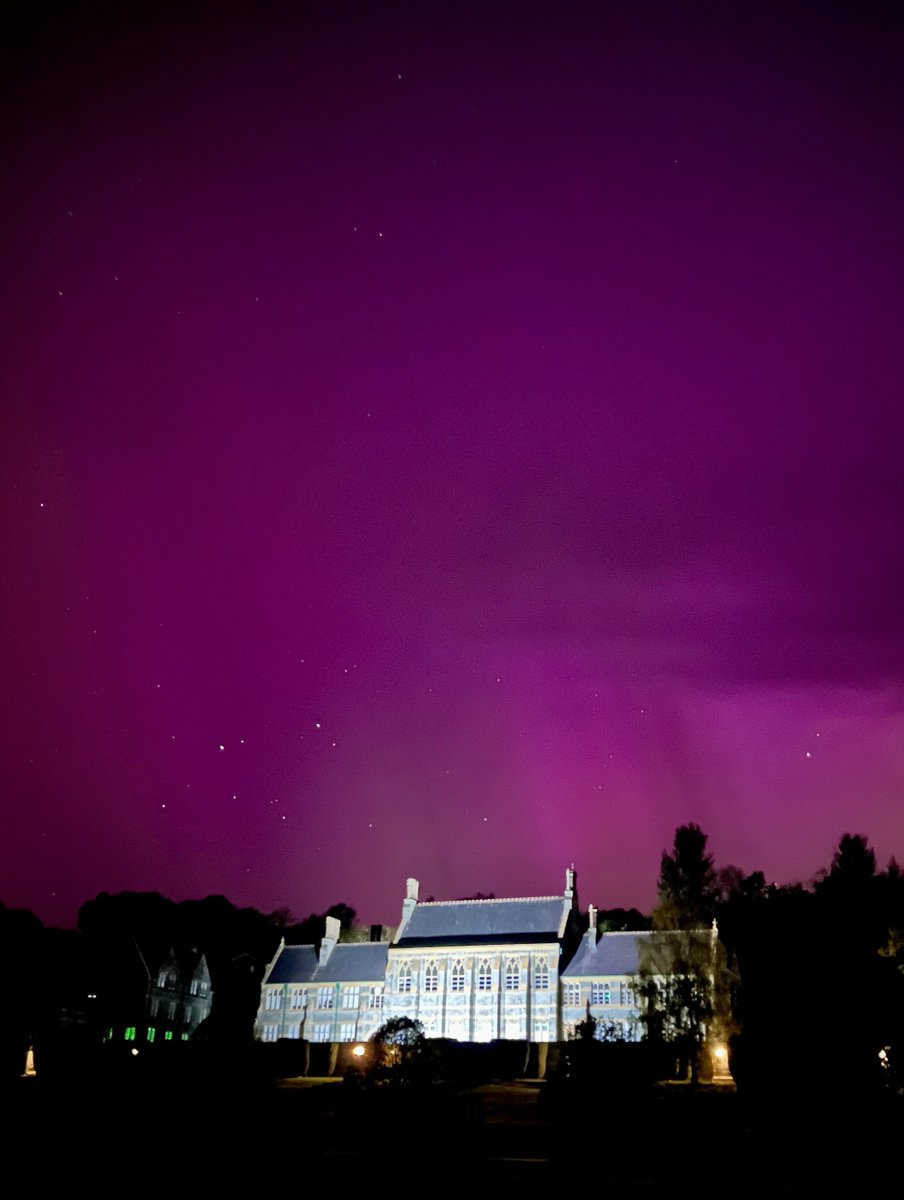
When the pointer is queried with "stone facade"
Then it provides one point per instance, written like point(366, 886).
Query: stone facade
point(470, 970)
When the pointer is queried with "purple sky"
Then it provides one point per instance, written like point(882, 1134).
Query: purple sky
point(451, 441)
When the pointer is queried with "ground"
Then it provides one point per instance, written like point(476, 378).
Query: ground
point(235, 1133)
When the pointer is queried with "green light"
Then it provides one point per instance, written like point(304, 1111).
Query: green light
point(152, 1033)
point(168, 1036)
point(129, 1035)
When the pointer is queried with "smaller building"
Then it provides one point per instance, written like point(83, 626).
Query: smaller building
point(333, 993)
point(599, 981)
point(170, 1005)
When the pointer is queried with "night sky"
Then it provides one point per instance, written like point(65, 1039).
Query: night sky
point(449, 440)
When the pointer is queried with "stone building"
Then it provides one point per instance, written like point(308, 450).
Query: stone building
point(470, 970)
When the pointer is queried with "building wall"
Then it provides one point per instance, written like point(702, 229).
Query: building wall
point(609, 999)
point(477, 994)
point(350, 1011)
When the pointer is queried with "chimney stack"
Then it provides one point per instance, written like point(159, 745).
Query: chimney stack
point(329, 939)
point(591, 925)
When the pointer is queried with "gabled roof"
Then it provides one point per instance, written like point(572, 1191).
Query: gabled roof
point(621, 953)
point(470, 922)
point(351, 962)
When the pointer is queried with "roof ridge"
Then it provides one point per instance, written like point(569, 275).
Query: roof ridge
point(488, 900)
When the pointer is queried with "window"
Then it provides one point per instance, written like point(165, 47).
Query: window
point(274, 998)
point(270, 1032)
point(541, 1031)
point(484, 977)
point(347, 1031)
point(325, 997)
point(184, 1037)
point(294, 1032)
point(152, 1033)
point(351, 997)
point(172, 1009)
point(541, 977)
point(458, 977)
point(321, 1033)
point(512, 975)
point(571, 994)
point(129, 1035)
point(376, 997)
point(625, 995)
point(155, 1004)
point(195, 987)
point(431, 978)
point(600, 993)
point(168, 1035)
point(404, 978)
point(296, 998)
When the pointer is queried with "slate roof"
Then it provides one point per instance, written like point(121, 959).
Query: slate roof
point(470, 922)
point(353, 961)
point(619, 953)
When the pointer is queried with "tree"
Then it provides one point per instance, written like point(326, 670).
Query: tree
point(681, 983)
point(687, 883)
point(681, 988)
point(402, 1053)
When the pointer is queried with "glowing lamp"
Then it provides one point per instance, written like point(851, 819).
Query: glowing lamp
point(358, 1051)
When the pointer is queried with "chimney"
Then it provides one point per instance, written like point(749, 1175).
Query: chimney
point(409, 904)
point(569, 882)
point(591, 925)
point(376, 933)
point(329, 939)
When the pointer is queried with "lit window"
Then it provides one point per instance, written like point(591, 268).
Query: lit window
point(195, 986)
point(458, 977)
point(541, 977)
point(152, 1033)
point(129, 1035)
point(324, 997)
point(404, 978)
point(184, 1037)
point(172, 1010)
point(270, 1033)
point(541, 1031)
point(168, 1035)
point(607, 994)
point(431, 978)
point(512, 975)
point(294, 1032)
point(351, 997)
point(484, 977)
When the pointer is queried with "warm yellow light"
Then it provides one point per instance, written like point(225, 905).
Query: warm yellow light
point(358, 1051)
point(719, 1052)
point(134, 1051)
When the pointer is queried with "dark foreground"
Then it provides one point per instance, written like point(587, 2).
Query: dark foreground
point(168, 1137)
